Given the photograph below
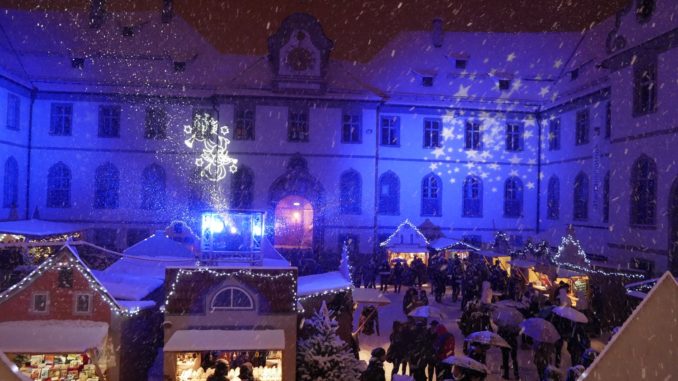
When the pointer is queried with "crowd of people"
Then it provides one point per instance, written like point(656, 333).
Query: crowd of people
point(418, 349)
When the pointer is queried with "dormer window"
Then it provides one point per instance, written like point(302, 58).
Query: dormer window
point(427, 81)
point(128, 31)
point(504, 84)
point(77, 63)
point(179, 67)
point(460, 64)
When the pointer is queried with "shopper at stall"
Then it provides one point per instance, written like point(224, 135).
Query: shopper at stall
point(375, 368)
point(247, 372)
point(397, 277)
point(220, 371)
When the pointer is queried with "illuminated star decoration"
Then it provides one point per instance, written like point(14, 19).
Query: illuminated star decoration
point(214, 157)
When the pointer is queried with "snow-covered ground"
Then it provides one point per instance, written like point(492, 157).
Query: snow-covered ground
point(394, 311)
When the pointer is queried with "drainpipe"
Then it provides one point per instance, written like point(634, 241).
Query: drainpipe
point(28, 154)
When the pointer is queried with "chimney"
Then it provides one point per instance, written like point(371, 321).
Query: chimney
point(437, 32)
point(96, 13)
point(167, 12)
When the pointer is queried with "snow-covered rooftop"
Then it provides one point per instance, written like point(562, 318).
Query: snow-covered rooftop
point(35, 227)
point(159, 245)
point(52, 336)
point(126, 286)
point(317, 283)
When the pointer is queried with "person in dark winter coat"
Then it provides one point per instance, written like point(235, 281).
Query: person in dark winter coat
point(396, 350)
point(577, 343)
point(443, 347)
point(246, 372)
point(369, 320)
point(220, 371)
point(510, 334)
point(409, 300)
point(421, 352)
point(543, 355)
point(375, 368)
point(397, 277)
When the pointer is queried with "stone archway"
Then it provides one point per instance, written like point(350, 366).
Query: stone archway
point(673, 228)
point(297, 185)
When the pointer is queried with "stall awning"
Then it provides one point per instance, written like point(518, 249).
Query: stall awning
point(52, 336)
point(225, 340)
point(403, 248)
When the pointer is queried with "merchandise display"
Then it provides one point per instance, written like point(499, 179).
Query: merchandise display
point(198, 366)
point(57, 367)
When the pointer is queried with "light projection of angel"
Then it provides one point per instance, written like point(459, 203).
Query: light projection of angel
point(214, 158)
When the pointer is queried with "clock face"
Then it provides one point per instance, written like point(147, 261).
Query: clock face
point(300, 59)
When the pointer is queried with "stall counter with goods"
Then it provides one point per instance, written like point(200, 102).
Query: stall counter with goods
point(57, 367)
point(198, 366)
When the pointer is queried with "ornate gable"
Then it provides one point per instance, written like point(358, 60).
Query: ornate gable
point(299, 53)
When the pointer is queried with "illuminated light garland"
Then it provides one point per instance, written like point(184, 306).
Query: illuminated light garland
point(72, 262)
point(324, 293)
point(567, 240)
point(404, 223)
point(241, 272)
point(214, 157)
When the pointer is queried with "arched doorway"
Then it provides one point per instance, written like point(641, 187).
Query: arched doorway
point(293, 223)
point(673, 228)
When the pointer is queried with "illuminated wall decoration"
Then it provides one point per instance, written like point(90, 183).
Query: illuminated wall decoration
point(214, 157)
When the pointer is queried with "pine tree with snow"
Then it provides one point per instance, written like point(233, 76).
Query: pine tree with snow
point(323, 355)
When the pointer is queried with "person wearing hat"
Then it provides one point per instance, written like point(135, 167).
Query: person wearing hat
point(246, 372)
point(220, 371)
point(375, 368)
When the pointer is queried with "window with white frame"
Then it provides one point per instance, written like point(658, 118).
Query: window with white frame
point(473, 136)
point(514, 137)
point(40, 302)
point(82, 303)
point(390, 131)
point(432, 132)
point(351, 131)
point(13, 111)
point(232, 298)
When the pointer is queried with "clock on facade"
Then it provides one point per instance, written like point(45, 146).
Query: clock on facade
point(300, 59)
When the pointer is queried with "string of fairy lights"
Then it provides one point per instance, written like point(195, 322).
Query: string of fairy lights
point(569, 240)
point(397, 232)
point(70, 262)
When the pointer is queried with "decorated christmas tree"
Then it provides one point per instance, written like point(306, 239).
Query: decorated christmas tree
point(323, 355)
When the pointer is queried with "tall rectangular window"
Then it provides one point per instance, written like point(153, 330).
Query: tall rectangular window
point(554, 134)
point(582, 127)
point(432, 133)
point(390, 131)
point(473, 136)
point(244, 123)
point(351, 131)
point(514, 137)
point(61, 119)
point(13, 111)
point(156, 123)
point(109, 121)
point(644, 88)
point(297, 126)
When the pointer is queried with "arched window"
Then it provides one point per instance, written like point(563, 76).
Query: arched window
point(350, 189)
point(581, 197)
point(473, 197)
point(232, 298)
point(389, 194)
point(242, 188)
point(10, 195)
point(606, 197)
point(513, 197)
point(153, 187)
point(643, 191)
point(553, 199)
point(107, 184)
point(59, 186)
point(431, 195)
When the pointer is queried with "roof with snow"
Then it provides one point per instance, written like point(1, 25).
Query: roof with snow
point(69, 254)
point(644, 347)
point(39, 228)
point(406, 238)
point(52, 336)
point(159, 245)
point(318, 283)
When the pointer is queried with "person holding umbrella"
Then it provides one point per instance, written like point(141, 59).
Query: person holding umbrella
point(510, 334)
point(466, 369)
point(543, 355)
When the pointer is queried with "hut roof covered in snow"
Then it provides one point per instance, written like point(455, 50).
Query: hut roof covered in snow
point(159, 245)
point(644, 348)
point(39, 228)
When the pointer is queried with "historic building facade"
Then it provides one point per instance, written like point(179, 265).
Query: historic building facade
point(476, 132)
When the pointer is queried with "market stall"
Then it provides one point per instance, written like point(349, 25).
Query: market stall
point(196, 351)
point(448, 248)
point(578, 283)
point(406, 244)
point(490, 257)
point(56, 349)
